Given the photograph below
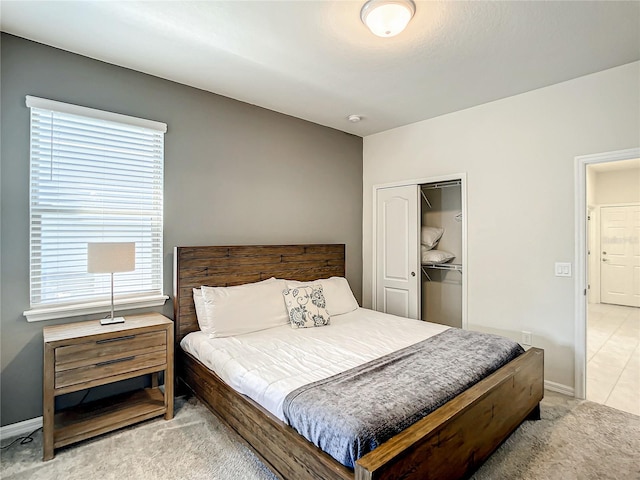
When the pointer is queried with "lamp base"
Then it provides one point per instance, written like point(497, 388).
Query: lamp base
point(112, 320)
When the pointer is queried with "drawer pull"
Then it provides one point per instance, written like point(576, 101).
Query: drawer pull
point(117, 360)
point(117, 339)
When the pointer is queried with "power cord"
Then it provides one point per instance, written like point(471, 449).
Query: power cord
point(84, 397)
point(22, 440)
point(29, 438)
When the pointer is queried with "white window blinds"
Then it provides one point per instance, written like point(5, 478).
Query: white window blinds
point(95, 177)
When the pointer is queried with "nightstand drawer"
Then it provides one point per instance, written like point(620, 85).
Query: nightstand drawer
point(90, 353)
point(105, 368)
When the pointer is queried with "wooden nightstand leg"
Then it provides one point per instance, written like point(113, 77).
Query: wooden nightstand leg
point(48, 403)
point(168, 376)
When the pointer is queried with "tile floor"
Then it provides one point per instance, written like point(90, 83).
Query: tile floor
point(613, 356)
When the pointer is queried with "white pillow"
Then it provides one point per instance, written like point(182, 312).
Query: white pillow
point(435, 256)
point(337, 293)
point(198, 301)
point(430, 236)
point(306, 306)
point(243, 308)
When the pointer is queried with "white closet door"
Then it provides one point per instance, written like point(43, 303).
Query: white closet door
point(620, 266)
point(397, 260)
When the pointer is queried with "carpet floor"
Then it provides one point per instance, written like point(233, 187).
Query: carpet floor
point(573, 440)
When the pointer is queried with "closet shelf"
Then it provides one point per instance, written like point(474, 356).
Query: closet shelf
point(442, 266)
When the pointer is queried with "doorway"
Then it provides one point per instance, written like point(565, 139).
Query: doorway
point(608, 279)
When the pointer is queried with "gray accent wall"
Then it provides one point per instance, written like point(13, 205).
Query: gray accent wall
point(234, 174)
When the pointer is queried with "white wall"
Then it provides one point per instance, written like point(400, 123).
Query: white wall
point(618, 186)
point(519, 157)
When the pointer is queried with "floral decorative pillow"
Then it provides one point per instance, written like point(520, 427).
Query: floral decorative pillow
point(306, 306)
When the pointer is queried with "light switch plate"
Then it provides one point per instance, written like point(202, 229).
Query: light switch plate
point(563, 269)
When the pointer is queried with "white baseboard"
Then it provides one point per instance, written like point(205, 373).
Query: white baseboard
point(20, 428)
point(559, 388)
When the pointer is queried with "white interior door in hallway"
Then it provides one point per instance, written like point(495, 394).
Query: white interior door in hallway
point(397, 261)
point(620, 259)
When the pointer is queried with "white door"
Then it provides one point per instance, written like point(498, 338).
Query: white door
point(620, 259)
point(397, 261)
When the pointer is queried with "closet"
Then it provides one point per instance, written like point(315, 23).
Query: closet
point(419, 250)
point(441, 252)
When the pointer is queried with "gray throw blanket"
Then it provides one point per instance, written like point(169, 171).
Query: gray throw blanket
point(350, 414)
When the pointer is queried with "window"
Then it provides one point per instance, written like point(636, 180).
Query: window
point(95, 177)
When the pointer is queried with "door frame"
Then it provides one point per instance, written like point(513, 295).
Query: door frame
point(374, 244)
point(580, 216)
point(593, 260)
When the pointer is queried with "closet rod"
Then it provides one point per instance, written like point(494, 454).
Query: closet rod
point(450, 183)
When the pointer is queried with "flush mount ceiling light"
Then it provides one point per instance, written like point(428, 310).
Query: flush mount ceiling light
point(387, 18)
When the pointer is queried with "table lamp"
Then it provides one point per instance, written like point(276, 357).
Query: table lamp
point(111, 257)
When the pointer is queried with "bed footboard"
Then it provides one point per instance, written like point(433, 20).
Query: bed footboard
point(453, 441)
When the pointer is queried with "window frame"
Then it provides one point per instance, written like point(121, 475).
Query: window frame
point(131, 300)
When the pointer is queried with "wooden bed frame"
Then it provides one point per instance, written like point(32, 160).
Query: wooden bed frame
point(449, 443)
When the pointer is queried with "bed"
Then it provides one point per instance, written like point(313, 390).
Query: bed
point(451, 442)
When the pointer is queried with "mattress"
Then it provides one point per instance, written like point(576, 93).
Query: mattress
point(268, 365)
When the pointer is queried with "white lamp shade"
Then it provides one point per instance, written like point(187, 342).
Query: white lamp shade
point(387, 18)
point(111, 257)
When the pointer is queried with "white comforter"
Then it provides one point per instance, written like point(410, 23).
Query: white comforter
point(269, 364)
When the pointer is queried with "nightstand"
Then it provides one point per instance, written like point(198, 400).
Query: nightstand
point(82, 355)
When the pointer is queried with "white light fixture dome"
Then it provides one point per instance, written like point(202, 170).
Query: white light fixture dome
point(387, 18)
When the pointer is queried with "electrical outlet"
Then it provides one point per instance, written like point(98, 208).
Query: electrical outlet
point(526, 338)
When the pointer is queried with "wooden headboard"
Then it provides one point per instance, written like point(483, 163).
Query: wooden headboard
point(223, 266)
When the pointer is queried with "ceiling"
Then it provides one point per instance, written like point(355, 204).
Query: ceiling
point(316, 60)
